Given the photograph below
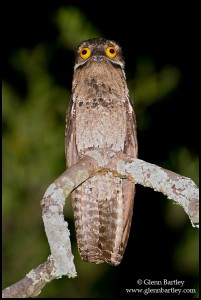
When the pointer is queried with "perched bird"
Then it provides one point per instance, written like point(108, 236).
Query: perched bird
point(100, 115)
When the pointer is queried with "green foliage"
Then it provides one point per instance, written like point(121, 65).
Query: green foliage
point(149, 87)
point(74, 27)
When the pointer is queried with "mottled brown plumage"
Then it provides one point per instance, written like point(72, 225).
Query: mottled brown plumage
point(100, 115)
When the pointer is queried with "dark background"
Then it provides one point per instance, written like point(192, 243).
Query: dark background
point(162, 243)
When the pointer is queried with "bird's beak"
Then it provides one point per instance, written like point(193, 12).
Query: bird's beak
point(98, 58)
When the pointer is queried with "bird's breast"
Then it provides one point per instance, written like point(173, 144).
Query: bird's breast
point(100, 112)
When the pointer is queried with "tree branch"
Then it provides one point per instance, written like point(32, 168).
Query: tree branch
point(178, 188)
point(31, 285)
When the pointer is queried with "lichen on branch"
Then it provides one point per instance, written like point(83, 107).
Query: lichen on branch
point(180, 189)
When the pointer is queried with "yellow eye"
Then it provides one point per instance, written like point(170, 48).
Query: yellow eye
point(111, 52)
point(85, 53)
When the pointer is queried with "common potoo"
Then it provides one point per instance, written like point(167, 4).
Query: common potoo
point(100, 115)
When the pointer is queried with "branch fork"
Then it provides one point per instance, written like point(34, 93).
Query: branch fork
point(180, 189)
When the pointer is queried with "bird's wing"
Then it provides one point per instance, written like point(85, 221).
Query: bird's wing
point(70, 135)
point(131, 149)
